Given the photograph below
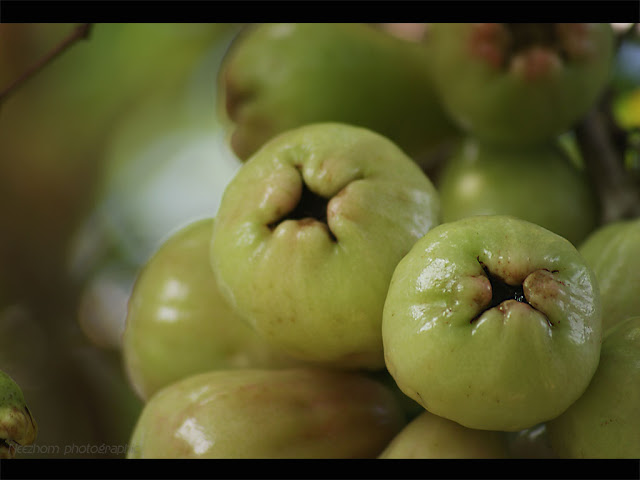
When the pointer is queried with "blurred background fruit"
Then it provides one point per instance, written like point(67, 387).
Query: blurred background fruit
point(540, 184)
point(519, 84)
point(97, 154)
point(271, 82)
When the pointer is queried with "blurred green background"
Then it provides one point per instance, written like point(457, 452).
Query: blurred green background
point(103, 154)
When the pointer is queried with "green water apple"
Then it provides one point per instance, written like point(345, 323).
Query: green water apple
point(280, 76)
point(287, 413)
point(539, 184)
point(179, 324)
point(431, 436)
point(605, 421)
point(492, 322)
point(519, 83)
point(17, 425)
point(308, 234)
point(613, 252)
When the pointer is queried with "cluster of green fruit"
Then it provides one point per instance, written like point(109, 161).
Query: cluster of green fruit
point(345, 304)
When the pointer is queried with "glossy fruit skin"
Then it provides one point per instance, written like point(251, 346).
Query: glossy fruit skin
point(605, 421)
point(17, 425)
point(613, 252)
point(316, 287)
point(513, 106)
point(504, 367)
point(280, 76)
point(530, 443)
point(430, 436)
point(537, 184)
point(179, 324)
point(289, 413)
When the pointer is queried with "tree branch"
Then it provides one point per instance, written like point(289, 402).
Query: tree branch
point(602, 145)
point(81, 32)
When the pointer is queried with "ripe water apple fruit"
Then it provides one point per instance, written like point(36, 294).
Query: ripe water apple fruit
point(493, 322)
point(308, 234)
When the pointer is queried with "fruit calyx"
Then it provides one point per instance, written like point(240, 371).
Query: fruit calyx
point(532, 50)
point(537, 284)
point(501, 290)
point(310, 208)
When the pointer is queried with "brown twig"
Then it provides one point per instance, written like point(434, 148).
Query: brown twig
point(81, 32)
point(604, 161)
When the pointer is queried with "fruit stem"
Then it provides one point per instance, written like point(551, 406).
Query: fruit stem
point(81, 32)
